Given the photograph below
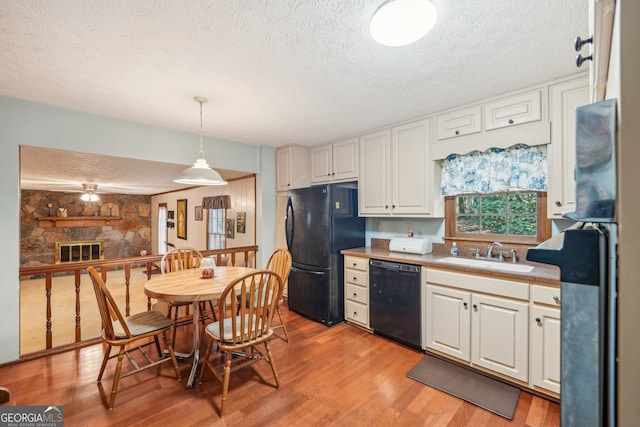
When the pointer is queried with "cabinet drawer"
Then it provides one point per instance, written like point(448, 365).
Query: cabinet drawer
point(357, 312)
point(545, 295)
point(460, 122)
point(355, 277)
point(357, 293)
point(513, 110)
point(356, 263)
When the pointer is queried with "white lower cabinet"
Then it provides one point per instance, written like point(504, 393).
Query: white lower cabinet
point(356, 290)
point(448, 321)
point(545, 338)
point(500, 335)
point(487, 331)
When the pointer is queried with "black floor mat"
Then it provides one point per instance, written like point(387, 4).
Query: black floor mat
point(485, 392)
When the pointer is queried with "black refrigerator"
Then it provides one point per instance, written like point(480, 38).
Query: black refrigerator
point(587, 256)
point(320, 222)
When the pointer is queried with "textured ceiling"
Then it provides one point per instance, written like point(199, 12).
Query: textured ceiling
point(276, 72)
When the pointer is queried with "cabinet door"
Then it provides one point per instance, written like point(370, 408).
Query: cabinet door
point(545, 348)
point(448, 322)
point(345, 160)
point(500, 335)
point(373, 186)
point(321, 164)
point(564, 98)
point(513, 110)
point(459, 123)
point(411, 166)
point(283, 169)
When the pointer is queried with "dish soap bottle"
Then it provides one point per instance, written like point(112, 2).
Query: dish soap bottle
point(454, 249)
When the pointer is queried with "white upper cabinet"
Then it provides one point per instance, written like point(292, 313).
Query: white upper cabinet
point(412, 180)
point(513, 110)
point(564, 98)
point(335, 162)
point(397, 176)
point(374, 185)
point(292, 168)
point(460, 122)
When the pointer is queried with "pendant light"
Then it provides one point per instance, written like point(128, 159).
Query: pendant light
point(200, 173)
point(402, 22)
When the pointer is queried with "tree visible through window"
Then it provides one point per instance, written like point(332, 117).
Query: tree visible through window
point(216, 232)
point(514, 216)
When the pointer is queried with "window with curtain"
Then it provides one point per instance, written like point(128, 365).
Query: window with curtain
point(216, 207)
point(499, 194)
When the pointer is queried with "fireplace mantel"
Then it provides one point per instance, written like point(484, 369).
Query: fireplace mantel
point(78, 221)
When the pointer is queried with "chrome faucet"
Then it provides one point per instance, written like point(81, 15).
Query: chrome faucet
point(490, 250)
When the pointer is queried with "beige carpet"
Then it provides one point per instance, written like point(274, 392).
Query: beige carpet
point(33, 312)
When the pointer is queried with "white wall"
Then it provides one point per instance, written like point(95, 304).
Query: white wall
point(26, 123)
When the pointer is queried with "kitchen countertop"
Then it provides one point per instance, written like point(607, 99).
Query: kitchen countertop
point(541, 273)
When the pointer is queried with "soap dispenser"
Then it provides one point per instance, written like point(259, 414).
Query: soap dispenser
point(454, 249)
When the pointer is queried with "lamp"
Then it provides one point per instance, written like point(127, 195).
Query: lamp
point(89, 195)
point(200, 173)
point(402, 22)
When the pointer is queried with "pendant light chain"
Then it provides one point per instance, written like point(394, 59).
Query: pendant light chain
point(201, 152)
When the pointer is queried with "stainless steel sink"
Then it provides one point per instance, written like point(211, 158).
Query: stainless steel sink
point(486, 264)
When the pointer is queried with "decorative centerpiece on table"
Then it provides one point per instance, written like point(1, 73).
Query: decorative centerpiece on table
point(206, 266)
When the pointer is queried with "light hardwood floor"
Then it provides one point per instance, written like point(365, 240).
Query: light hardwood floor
point(339, 376)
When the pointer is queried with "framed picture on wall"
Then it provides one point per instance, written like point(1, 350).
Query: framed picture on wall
point(241, 218)
point(198, 213)
point(230, 231)
point(182, 219)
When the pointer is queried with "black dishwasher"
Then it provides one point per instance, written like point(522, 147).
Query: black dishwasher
point(394, 301)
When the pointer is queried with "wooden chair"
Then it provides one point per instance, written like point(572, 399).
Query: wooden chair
point(178, 259)
point(238, 335)
point(280, 262)
point(5, 397)
point(121, 331)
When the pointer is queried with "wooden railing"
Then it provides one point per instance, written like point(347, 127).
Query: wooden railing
point(245, 255)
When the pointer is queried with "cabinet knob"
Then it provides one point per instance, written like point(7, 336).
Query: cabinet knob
point(355, 279)
point(579, 43)
point(328, 174)
point(386, 206)
point(355, 294)
point(354, 264)
point(556, 298)
point(457, 132)
point(355, 314)
point(558, 203)
point(510, 121)
point(580, 59)
point(475, 306)
point(465, 304)
point(538, 320)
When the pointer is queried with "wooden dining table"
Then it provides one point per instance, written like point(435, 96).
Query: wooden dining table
point(189, 286)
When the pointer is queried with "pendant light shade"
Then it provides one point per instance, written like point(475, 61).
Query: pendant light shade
point(200, 173)
point(402, 22)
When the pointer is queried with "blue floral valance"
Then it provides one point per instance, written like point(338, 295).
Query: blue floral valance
point(517, 168)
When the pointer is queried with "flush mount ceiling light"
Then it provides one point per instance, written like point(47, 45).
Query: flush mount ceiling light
point(200, 173)
point(402, 22)
point(89, 194)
